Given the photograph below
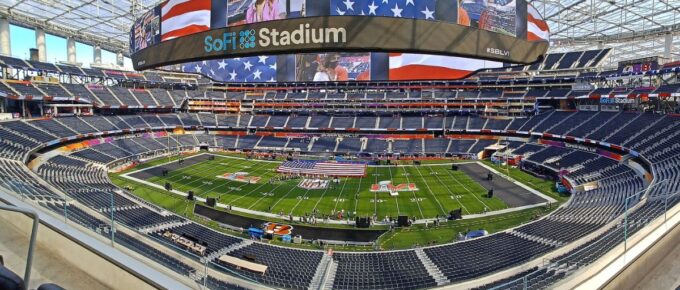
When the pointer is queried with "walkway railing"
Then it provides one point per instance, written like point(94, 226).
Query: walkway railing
point(31, 245)
point(588, 253)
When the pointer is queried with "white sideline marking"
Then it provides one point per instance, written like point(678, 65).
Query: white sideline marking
point(194, 156)
point(285, 217)
point(433, 164)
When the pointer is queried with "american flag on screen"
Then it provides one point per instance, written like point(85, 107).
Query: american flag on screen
point(184, 17)
point(415, 9)
point(409, 66)
point(244, 69)
point(323, 168)
point(537, 28)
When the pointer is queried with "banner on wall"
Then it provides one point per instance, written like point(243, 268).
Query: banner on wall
point(639, 65)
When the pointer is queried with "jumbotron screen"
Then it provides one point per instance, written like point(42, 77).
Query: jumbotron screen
point(337, 40)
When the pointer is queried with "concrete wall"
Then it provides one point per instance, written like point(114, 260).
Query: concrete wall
point(609, 267)
point(646, 264)
point(72, 255)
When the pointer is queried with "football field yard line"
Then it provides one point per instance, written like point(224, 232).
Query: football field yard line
point(200, 168)
point(284, 196)
point(322, 195)
point(356, 195)
point(337, 199)
point(263, 196)
point(433, 195)
point(345, 200)
point(383, 207)
point(228, 182)
point(179, 174)
point(208, 173)
point(300, 199)
point(264, 164)
point(396, 201)
point(253, 196)
point(201, 173)
point(408, 180)
point(468, 190)
point(375, 204)
point(375, 194)
point(282, 190)
point(317, 202)
point(178, 171)
point(222, 183)
point(455, 196)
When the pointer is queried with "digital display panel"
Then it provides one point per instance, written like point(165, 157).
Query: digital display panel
point(491, 15)
point(329, 67)
point(413, 39)
point(146, 30)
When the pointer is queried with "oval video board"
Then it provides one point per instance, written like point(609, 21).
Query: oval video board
point(176, 32)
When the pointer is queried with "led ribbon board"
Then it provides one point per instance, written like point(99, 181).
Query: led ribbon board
point(341, 34)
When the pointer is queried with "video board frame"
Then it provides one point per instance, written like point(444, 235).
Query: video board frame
point(344, 34)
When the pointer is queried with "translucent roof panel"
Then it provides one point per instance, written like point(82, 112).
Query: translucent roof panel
point(105, 22)
point(634, 28)
point(592, 19)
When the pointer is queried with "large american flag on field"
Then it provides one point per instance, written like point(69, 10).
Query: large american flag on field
point(244, 69)
point(323, 168)
point(415, 9)
point(184, 17)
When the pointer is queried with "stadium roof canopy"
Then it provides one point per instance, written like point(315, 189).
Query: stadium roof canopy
point(634, 28)
point(103, 22)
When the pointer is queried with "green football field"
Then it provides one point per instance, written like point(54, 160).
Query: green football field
point(440, 190)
